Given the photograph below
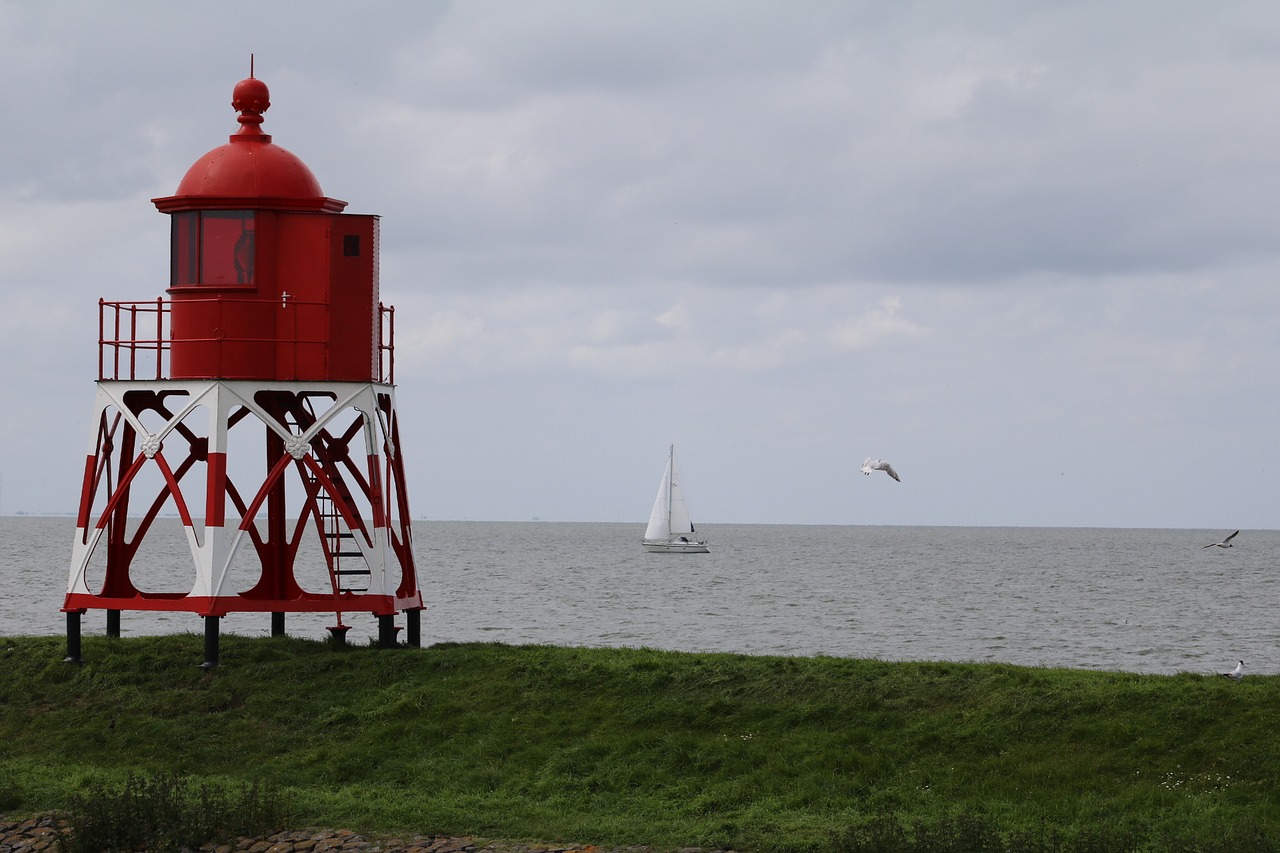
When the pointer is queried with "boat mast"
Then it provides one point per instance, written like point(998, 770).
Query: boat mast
point(671, 479)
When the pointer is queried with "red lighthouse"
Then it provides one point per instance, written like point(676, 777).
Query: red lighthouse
point(257, 403)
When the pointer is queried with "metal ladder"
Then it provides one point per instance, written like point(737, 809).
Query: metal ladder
point(341, 543)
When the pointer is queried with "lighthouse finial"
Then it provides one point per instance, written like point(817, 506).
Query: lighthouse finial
point(251, 99)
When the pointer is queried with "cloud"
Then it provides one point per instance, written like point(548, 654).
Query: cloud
point(935, 230)
point(880, 323)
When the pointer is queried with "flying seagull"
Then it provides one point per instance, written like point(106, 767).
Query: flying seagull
point(1235, 674)
point(1225, 543)
point(870, 465)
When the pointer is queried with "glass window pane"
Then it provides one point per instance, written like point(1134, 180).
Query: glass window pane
point(226, 247)
point(184, 249)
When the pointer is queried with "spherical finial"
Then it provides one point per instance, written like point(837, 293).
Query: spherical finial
point(251, 96)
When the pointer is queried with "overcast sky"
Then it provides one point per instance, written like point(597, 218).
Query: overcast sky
point(1027, 252)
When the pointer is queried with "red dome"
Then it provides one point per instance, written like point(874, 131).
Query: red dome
point(246, 169)
point(250, 171)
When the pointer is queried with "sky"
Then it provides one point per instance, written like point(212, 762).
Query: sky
point(1027, 252)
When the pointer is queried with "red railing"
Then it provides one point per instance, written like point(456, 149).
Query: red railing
point(387, 342)
point(134, 340)
point(118, 353)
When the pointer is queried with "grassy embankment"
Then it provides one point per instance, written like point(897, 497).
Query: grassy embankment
point(648, 747)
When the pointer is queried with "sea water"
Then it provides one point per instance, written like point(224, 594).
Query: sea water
point(1145, 601)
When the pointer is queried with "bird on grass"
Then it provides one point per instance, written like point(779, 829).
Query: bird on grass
point(870, 465)
point(1235, 674)
point(1225, 543)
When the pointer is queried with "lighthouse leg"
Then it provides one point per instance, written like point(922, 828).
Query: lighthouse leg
point(386, 632)
point(211, 624)
point(413, 628)
point(73, 637)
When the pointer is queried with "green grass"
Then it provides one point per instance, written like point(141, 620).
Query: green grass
point(646, 747)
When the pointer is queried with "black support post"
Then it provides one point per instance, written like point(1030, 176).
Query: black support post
point(386, 632)
point(277, 623)
point(73, 637)
point(211, 625)
point(413, 628)
point(113, 623)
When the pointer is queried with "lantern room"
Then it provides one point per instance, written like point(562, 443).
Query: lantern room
point(269, 279)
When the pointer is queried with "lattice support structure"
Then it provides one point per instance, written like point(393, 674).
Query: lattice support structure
point(291, 497)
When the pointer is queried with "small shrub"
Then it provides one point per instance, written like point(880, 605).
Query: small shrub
point(964, 832)
point(976, 832)
point(971, 831)
point(164, 812)
point(10, 796)
point(883, 834)
point(1246, 838)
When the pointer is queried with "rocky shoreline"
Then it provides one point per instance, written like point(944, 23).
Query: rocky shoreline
point(40, 833)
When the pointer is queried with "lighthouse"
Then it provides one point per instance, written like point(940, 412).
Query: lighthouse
point(255, 402)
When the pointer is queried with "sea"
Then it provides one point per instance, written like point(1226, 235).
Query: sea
point(1126, 600)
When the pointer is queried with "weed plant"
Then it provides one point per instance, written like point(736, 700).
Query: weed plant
point(637, 746)
point(166, 812)
point(970, 831)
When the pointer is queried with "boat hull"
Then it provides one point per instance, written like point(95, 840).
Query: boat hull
point(677, 547)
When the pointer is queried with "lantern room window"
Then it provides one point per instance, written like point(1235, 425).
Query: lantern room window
point(212, 247)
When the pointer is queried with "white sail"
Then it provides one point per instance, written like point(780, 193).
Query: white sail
point(671, 524)
point(659, 529)
point(678, 519)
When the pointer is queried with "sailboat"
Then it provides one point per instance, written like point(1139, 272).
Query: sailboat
point(670, 529)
